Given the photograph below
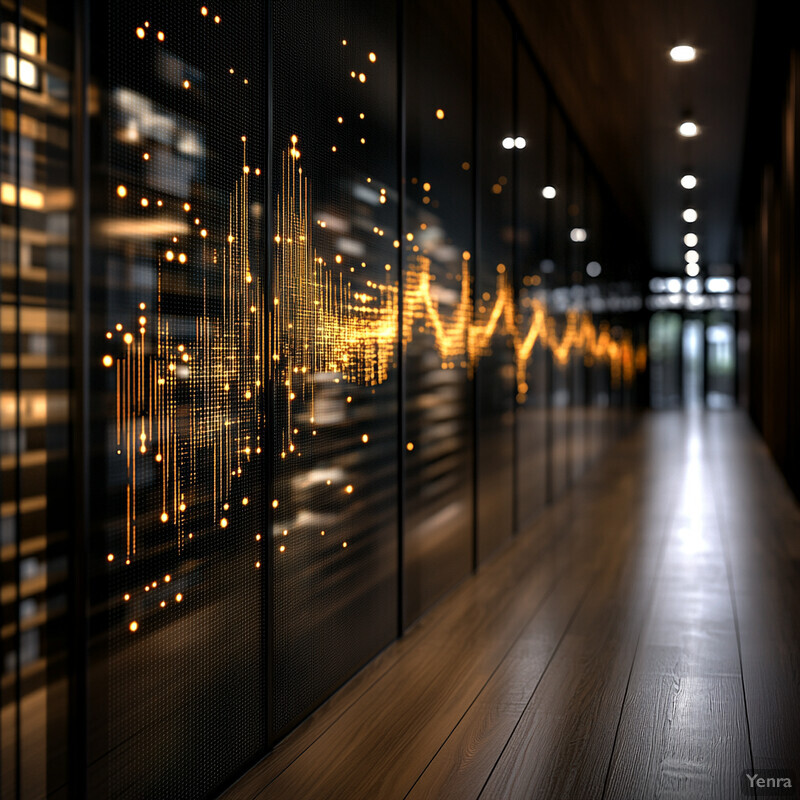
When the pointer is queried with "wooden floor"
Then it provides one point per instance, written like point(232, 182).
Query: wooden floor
point(642, 641)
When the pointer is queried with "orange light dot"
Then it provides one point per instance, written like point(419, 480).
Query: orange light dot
point(410, 446)
point(365, 438)
point(258, 565)
point(223, 523)
point(167, 578)
point(134, 626)
point(410, 237)
point(282, 548)
point(204, 11)
point(161, 36)
point(344, 544)
point(169, 255)
point(158, 457)
point(122, 191)
point(107, 361)
point(178, 597)
point(216, 19)
point(140, 33)
point(274, 503)
point(127, 597)
point(164, 517)
point(146, 156)
point(348, 489)
point(182, 258)
point(187, 207)
point(439, 113)
point(362, 77)
point(344, 42)
point(110, 556)
point(127, 338)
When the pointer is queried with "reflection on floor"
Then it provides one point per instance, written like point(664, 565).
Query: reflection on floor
point(641, 640)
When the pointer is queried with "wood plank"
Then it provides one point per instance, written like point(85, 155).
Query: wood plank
point(466, 759)
point(563, 743)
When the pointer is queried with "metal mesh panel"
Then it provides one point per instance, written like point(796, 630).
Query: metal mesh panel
point(177, 342)
point(334, 346)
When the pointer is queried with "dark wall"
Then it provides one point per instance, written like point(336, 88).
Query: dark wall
point(769, 208)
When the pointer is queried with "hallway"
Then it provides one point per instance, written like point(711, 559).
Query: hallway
point(642, 640)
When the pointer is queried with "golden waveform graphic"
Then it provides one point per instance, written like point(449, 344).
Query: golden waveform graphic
point(187, 403)
point(319, 322)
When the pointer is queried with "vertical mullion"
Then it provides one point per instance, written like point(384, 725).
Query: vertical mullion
point(78, 721)
point(476, 240)
point(268, 580)
point(18, 416)
point(401, 356)
point(515, 277)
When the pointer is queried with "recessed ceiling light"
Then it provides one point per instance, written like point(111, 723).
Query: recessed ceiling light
point(690, 240)
point(689, 215)
point(549, 192)
point(693, 269)
point(577, 235)
point(688, 181)
point(683, 53)
point(692, 256)
point(508, 142)
point(688, 129)
point(520, 142)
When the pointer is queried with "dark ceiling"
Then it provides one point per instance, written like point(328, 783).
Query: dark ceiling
point(608, 61)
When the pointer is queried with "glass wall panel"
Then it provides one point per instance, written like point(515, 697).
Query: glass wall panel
point(333, 346)
point(177, 325)
point(597, 371)
point(578, 245)
point(558, 282)
point(437, 302)
point(35, 415)
point(531, 250)
point(495, 312)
